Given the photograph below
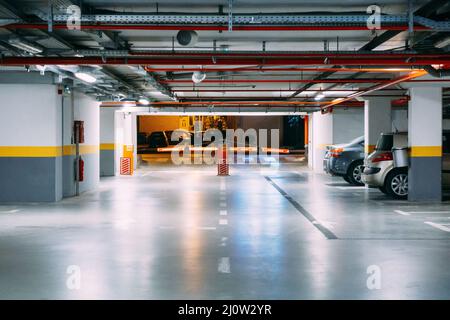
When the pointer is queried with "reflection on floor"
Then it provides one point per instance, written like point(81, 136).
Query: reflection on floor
point(181, 232)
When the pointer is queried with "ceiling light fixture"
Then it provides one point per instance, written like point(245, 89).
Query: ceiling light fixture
point(198, 76)
point(144, 101)
point(85, 77)
point(25, 45)
point(319, 96)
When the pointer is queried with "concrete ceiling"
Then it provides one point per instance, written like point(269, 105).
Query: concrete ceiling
point(64, 43)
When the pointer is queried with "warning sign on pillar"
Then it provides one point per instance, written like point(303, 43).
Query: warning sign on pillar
point(223, 168)
point(125, 166)
point(128, 152)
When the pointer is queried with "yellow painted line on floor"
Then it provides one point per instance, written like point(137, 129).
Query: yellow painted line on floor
point(426, 151)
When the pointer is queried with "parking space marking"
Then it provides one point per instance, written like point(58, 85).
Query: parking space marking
point(10, 211)
point(350, 188)
point(206, 228)
point(223, 222)
point(439, 226)
point(223, 204)
point(323, 229)
point(403, 213)
point(224, 265)
point(223, 212)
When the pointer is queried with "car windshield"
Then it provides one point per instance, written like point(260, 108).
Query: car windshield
point(385, 142)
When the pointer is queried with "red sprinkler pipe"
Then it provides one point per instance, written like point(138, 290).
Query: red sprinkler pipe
point(410, 76)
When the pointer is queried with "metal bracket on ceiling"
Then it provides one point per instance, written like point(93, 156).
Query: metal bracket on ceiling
point(50, 18)
point(230, 15)
point(410, 17)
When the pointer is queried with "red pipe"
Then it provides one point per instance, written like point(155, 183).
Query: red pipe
point(417, 61)
point(280, 81)
point(256, 69)
point(211, 27)
point(246, 54)
point(410, 76)
point(267, 90)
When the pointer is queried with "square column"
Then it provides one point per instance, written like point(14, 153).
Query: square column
point(425, 142)
point(107, 141)
point(377, 120)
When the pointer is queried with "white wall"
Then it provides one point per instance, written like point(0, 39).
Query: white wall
point(348, 124)
point(322, 135)
point(30, 115)
point(87, 109)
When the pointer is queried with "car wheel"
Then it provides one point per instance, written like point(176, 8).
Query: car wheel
point(354, 173)
point(396, 184)
point(346, 179)
point(383, 189)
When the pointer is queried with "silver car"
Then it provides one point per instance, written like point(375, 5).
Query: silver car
point(379, 170)
point(346, 160)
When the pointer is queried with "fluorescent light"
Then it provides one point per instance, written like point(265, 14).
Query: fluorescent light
point(85, 77)
point(25, 45)
point(442, 43)
point(319, 96)
point(144, 101)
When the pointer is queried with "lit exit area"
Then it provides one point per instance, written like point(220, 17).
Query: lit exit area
point(166, 150)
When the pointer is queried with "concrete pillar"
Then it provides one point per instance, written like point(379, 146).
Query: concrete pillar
point(425, 142)
point(107, 142)
point(31, 143)
point(377, 120)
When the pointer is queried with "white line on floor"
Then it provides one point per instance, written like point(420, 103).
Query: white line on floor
point(223, 204)
point(429, 212)
point(206, 228)
point(223, 212)
point(223, 221)
point(224, 265)
point(403, 213)
point(438, 226)
point(350, 188)
point(10, 211)
point(223, 198)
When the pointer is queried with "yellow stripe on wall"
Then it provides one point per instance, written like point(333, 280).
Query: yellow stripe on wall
point(107, 146)
point(369, 148)
point(426, 151)
point(30, 151)
point(44, 151)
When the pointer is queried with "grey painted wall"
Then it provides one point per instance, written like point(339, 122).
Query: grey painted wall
point(106, 163)
point(30, 179)
point(68, 170)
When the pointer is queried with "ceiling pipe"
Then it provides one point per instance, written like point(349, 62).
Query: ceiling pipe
point(119, 27)
point(263, 70)
point(269, 90)
point(437, 73)
point(414, 60)
point(410, 76)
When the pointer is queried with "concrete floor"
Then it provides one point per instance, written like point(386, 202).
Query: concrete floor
point(265, 232)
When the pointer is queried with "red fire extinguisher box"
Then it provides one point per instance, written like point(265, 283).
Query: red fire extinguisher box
point(78, 129)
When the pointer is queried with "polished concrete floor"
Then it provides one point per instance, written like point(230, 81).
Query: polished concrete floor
point(265, 232)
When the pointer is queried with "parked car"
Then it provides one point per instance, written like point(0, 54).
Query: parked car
point(158, 139)
point(379, 170)
point(346, 161)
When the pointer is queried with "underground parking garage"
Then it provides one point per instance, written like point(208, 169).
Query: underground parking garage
point(225, 150)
